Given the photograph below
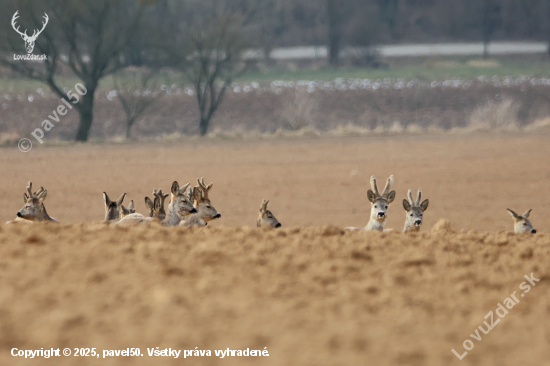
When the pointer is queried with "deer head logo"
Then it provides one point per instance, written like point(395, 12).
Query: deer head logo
point(29, 41)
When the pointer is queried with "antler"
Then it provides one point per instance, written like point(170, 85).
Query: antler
point(29, 190)
point(389, 183)
point(13, 20)
point(204, 187)
point(160, 196)
point(419, 197)
point(374, 187)
point(411, 200)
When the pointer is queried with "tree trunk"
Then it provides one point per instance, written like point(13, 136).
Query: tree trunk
point(129, 124)
point(333, 14)
point(203, 125)
point(86, 111)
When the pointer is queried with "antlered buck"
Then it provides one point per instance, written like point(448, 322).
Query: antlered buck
point(266, 217)
point(205, 211)
point(379, 204)
point(34, 209)
point(415, 212)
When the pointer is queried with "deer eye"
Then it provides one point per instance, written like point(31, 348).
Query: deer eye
point(386, 207)
point(524, 224)
point(208, 207)
point(411, 214)
point(375, 206)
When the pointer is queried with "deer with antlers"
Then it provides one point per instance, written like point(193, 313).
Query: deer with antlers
point(155, 207)
point(522, 224)
point(34, 209)
point(379, 204)
point(415, 211)
point(205, 211)
point(29, 40)
point(266, 217)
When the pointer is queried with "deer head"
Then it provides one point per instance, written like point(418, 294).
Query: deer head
point(522, 223)
point(205, 210)
point(415, 211)
point(379, 204)
point(34, 209)
point(112, 207)
point(265, 217)
point(156, 207)
point(29, 40)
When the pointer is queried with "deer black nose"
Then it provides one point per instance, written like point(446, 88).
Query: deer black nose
point(418, 222)
point(19, 214)
point(193, 210)
point(534, 231)
point(278, 224)
point(381, 214)
point(217, 216)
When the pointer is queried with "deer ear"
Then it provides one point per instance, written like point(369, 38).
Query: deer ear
point(513, 214)
point(25, 197)
point(131, 205)
point(149, 204)
point(120, 199)
point(106, 199)
point(175, 188)
point(526, 214)
point(371, 196)
point(424, 205)
point(406, 205)
point(391, 196)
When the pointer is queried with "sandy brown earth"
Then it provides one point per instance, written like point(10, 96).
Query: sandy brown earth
point(310, 292)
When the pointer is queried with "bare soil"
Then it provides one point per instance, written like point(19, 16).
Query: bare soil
point(310, 292)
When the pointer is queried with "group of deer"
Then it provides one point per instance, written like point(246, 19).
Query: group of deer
point(186, 208)
point(194, 208)
point(415, 210)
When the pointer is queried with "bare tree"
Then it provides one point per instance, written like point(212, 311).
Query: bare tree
point(215, 62)
point(136, 92)
point(87, 37)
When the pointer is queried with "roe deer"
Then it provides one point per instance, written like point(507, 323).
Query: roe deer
point(34, 209)
point(205, 211)
point(265, 217)
point(112, 208)
point(123, 211)
point(415, 211)
point(522, 223)
point(156, 211)
point(379, 204)
point(180, 205)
